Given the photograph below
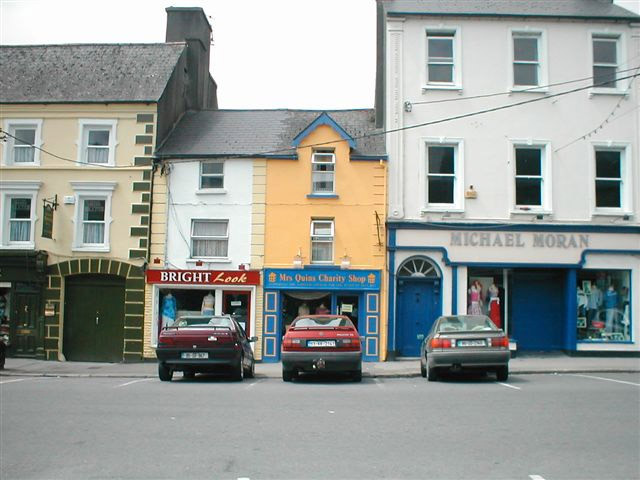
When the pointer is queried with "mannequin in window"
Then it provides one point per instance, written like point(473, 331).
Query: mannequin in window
point(610, 304)
point(595, 301)
point(303, 309)
point(475, 298)
point(169, 309)
point(494, 305)
point(321, 309)
point(207, 304)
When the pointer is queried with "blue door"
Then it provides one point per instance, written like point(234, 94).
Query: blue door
point(537, 309)
point(418, 307)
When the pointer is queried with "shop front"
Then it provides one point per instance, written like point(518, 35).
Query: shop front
point(549, 287)
point(292, 292)
point(202, 292)
point(22, 283)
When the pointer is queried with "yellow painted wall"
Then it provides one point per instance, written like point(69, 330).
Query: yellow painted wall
point(361, 190)
point(60, 136)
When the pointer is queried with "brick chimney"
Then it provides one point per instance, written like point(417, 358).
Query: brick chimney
point(190, 25)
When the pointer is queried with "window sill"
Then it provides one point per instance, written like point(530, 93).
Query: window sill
point(207, 260)
point(452, 209)
point(611, 213)
point(211, 191)
point(544, 90)
point(607, 91)
point(102, 249)
point(323, 195)
point(531, 211)
point(23, 246)
point(452, 86)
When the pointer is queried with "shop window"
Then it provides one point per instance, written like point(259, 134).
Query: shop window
point(211, 175)
point(604, 309)
point(322, 232)
point(323, 165)
point(209, 238)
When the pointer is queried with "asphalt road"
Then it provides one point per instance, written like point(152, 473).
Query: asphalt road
point(533, 427)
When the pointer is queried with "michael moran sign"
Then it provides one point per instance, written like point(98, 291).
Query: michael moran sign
point(519, 240)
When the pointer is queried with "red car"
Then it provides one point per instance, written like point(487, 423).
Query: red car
point(205, 344)
point(321, 343)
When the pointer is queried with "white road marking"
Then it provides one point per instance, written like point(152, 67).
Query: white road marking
point(14, 380)
point(134, 381)
point(535, 477)
point(510, 386)
point(250, 385)
point(605, 379)
point(379, 383)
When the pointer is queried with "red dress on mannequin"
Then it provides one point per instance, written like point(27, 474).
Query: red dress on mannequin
point(494, 306)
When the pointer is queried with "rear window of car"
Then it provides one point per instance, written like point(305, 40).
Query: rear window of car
point(465, 324)
point(205, 321)
point(322, 322)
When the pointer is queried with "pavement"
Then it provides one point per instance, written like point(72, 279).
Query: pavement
point(523, 363)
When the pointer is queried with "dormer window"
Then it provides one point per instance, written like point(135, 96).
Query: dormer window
point(323, 166)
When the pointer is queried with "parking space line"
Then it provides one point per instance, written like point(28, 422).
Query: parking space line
point(535, 477)
point(510, 386)
point(14, 380)
point(605, 379)
point(251, 385)
point(134, 381)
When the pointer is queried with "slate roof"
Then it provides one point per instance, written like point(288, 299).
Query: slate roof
point(262, 133)
point(86, 73)
point(585, 9)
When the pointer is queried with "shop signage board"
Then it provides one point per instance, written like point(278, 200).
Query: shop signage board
point(47, 222)
point(204, 277)
point(325, 279)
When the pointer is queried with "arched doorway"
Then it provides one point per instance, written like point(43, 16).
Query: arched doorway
point(418, 303)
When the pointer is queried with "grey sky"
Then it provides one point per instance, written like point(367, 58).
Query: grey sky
point(266, 53)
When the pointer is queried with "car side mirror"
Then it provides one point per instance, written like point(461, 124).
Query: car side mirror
point(253, 339)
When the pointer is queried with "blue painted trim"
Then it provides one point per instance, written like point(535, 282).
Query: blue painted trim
point(316, 195)
point(571, 304)
point(447, 261)
point(606, 342)
point(454, 288)
point(324, 119)
point(279, 157)
point(369, 158)
point(391, 308)
point(513, 226)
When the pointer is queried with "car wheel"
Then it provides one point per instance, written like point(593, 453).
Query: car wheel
point(357, 376)
point(165, 373)
point(287, 375)
point(251, 372)
point(189, 374)
point(423, 369)
point(238, 370)
point(502, 374)
point(432, 374)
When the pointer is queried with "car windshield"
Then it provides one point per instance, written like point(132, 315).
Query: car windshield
point(204, 321)
point(465, 324)
point(322, 321)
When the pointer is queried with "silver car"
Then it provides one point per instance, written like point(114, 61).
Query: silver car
point(458, 342)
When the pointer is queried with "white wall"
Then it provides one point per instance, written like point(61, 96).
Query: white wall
point(185, 203)
point(486, 63)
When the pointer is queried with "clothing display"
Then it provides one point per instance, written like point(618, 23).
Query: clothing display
point(610, 301)
point(494, 305)
point(208, 303)
point(169, 309)
point(475, 303)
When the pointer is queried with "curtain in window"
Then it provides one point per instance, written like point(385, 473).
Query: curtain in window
point(20, 231)
point(20, 220)
point(93, 233)
point(93, 221)
point(205, 243)
point(23, 154)
point(97, 155)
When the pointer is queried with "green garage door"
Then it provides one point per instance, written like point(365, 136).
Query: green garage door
point(94, 318)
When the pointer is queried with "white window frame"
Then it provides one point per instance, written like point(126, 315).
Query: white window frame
point(202, 189)
point(313, 172)
point(546, 187)
point(626, 186)
point(220, 237)
point(18, 189)
point(543, 74)
point(458, 165)
point(10, 126)
point(322, 239)
point(455, 33)
point(85, 126)
point(92, 191)
point(621, 85)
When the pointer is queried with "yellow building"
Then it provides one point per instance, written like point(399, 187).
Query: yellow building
point(80, 124)
point(324, 227)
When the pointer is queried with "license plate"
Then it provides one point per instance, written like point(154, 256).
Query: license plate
point(195, 355)
point(321, 343)
point(472, 343)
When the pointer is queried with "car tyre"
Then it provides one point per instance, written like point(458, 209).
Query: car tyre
point(432, 374)
point(502, 374)
point(238, 370)
point(165, 373)
point(423, 370)
point(287, 375)
point(357, 376)
point(251, 372)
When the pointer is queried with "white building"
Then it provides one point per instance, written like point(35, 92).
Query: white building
point(513, 161)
